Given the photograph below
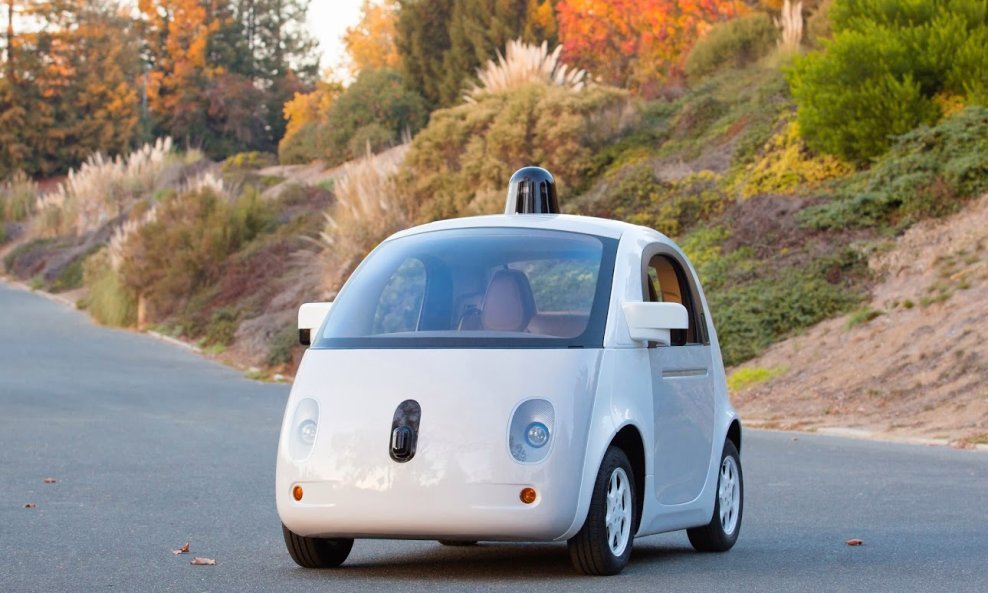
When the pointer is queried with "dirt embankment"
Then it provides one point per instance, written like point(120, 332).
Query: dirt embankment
point(912, 362)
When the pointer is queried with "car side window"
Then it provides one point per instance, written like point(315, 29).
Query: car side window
point(400, 303)
point(666, 283)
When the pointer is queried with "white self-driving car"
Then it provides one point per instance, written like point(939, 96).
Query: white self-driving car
point(522, 377)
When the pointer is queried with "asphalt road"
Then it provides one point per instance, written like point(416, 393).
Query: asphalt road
point(152, 446)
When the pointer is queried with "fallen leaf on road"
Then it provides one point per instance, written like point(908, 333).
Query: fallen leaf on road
point(203, 561)
point(49, 480)
point(30, 505)
point(183, 550)
point(855, 542)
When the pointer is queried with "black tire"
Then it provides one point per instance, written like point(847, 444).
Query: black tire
point(590, 549)
point(458, 543)
point(713, 537)
point(315, 552)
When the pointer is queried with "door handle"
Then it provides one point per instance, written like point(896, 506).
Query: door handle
point(683, 373)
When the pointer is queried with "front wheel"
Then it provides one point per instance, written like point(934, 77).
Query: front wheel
point(720, 534)
point(316, 552)
point(603, 544)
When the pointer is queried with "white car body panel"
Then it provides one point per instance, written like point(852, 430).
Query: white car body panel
point(463, 482)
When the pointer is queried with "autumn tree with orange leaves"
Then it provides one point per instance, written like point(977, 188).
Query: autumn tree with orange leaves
point(67, 84)
point(637, 44)
point(371, 42)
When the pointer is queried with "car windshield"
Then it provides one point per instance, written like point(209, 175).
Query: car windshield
point(476, 288)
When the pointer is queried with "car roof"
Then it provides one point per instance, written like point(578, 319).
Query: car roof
point(557, 222)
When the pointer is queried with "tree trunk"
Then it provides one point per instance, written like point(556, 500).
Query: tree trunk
point(10, 40)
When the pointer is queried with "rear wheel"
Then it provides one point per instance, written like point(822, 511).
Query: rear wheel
point(603, 544)
point(316, 552)
point(720, 534)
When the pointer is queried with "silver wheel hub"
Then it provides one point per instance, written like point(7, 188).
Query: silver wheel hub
point(617, 519)
point(729, 495)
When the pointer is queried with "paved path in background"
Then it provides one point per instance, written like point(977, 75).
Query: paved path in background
point(153, 446)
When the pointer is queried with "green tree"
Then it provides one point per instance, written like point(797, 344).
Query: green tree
point(375, 109)
point(422, 39)
point(888, 68)
point(180, 68)
point(442, 44)
point(68, 85)
point(221, 70)
point(284, 54)
point(14, 141)
point(478, 30)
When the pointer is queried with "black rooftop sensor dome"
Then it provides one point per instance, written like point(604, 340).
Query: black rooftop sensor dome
point(532, 190)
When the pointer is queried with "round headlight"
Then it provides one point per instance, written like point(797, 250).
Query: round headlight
point(537, 434)
point(307, 431)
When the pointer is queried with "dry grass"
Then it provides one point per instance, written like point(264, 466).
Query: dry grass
point(207, 181)
point(117, 246)
point(524, 64)
point(791, 25)
point(17, 198)
point(369, 207)
point(102, 188)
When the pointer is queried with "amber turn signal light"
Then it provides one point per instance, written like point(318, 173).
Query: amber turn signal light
point(527, 495)
point(297, 492)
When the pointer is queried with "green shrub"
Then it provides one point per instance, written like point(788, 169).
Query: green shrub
point(248, 160)
point(23, 249)
point(460, 162)
point(856, 96)
point(668, 207)
point(887, 61)
point(283, 345)
point(698, 114)
point(786, 166)
point(17, 197)
point(109, 301)
point(862, 316)
point(751, 316)
point(221, 328)
point(377, 97)
point(969, 69)
point(818, 26)
point(928, 172)
point(745, 378)
point(703, 245)
point(370, 139)
point(69, 275)
point(732, 44)
point(377, 107)
point(304, 146)
point(650, 126)
point(179, 252)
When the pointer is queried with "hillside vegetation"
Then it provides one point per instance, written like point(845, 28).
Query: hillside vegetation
point(911, 360)
point(786, 150)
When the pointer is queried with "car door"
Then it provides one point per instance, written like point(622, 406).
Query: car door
point(682, 385)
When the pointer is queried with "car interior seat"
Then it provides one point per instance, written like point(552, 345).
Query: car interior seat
point(508, 303)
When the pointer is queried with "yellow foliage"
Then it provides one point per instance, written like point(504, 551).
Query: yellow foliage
point(306, 108)
point(949, 104)
point(189, 27)
point(371, 43)
point(540, 21)
point(786, 165)
point(743, 378)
